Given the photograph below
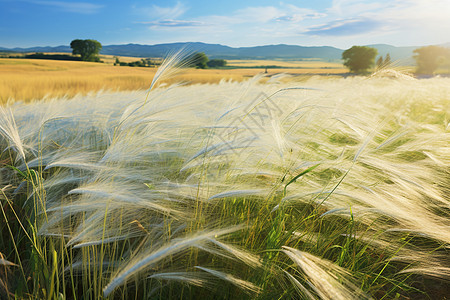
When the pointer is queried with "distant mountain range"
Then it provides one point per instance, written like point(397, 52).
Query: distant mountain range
point(226, 52)
point(286, 52)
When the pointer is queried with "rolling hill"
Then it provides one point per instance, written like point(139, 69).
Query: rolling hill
point(286, 52)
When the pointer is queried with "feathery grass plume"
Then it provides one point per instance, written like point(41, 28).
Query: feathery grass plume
point(145, 260)
point(328, 280)
point(191, 278)
point(232, 194)
point(302, 289)
point(242, 255)
point(9, 131)
point(171, 65)
point(232, 279)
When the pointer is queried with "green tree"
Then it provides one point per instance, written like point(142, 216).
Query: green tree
point(87, 49)
point(216, 63)
point(198, 60)
point(429, 58)
point(359, 58)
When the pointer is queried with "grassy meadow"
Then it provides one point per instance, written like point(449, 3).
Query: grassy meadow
point(32, 79)
point(328, 188)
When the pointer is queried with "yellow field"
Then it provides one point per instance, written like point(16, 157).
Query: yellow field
point(28, 79)
point(111, 59)
point(308, 64)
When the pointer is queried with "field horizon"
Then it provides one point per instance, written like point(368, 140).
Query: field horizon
point(34, 79)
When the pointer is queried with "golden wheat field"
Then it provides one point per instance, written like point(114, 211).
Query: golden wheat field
point(30, 79)
point(307, 64)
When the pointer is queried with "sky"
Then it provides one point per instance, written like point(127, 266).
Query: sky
point(236, 23)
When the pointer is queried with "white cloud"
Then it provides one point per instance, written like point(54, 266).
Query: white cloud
point(173, 23)
point(345, 22)
point(348, 27)
point(353, 8)
point(408, 12)
point(285, 13)
point(170, 12)
point(74, 7)
point(166, 17)
point(420, 13)
point(400, 22)
point(260, 14)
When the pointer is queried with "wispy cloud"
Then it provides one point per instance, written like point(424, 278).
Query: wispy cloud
point(173, 23)
point(73, 7)
point(343, 22)
point(388, 17)
point(162, 12)
point(257, 14)
point(343, 8)
point(283, 13)
point(345, 27)
point(296, 18)
point(428, 13)
point(166, 16)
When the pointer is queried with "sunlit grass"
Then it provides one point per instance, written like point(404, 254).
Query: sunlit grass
point(332, 189)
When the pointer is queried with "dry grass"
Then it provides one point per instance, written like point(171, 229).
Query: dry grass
point(309, 64)
point(111, 59)
point(28, 79)
point(336, 188)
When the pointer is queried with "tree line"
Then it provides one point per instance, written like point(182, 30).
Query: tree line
point(360, 59)
point(144, 62)
point(90, 49)
point(197, 60)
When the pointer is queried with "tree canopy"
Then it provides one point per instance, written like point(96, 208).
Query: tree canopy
point(198, 60)
point(87, 49)
point(429, 58)
point(216, 63)
point(359, 58)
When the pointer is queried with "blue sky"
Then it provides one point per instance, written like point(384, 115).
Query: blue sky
point(339, 23)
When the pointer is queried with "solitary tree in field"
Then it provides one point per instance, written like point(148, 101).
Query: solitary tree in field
point(429, 58)
point(88, 49)
point(359, 58)
point(198, 60)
